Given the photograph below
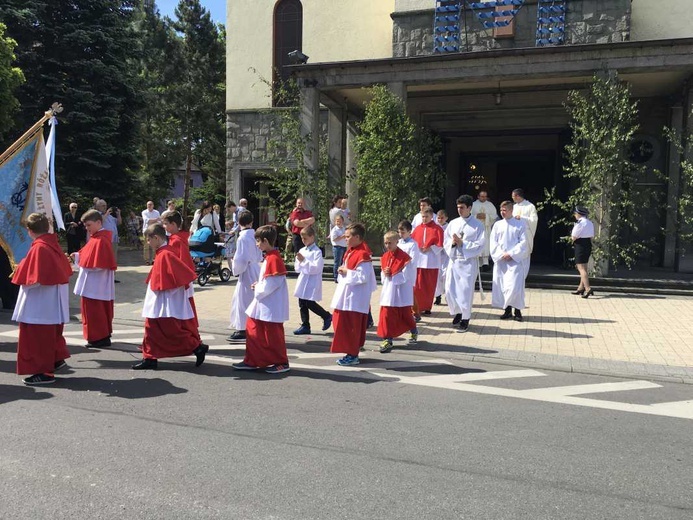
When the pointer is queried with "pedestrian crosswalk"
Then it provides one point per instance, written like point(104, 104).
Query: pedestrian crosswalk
point(441, 374)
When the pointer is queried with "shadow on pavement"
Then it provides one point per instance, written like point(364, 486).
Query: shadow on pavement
point(630, 296)
point(19, 392)
point(126, 389)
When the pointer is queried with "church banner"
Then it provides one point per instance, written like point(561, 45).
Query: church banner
point(24, 189)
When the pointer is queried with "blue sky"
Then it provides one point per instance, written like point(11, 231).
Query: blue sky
point(217, 8)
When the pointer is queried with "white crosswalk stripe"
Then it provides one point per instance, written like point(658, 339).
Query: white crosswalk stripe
point(386, 371)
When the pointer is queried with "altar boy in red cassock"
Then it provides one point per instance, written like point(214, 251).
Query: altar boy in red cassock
point(351, 301)
point(429, 238)
point(169, 326)
point(42, 304)
point(95, 281)
point(265, 344)
point(398, 276)
point(178, 240)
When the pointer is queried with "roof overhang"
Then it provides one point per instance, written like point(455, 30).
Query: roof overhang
point(655, 67)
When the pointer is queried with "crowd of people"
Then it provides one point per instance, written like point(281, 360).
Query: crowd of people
point(424, 259)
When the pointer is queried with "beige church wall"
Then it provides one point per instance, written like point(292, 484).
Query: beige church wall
point(363, 31)
point(248, 46)
point(661, 19)
point(413, 5)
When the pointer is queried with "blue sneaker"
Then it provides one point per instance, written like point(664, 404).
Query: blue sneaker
point(302, 330)
point(348, 361)
point(277, 369)
point(327, 323)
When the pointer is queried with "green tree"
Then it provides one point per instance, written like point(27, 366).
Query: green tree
point(11, 77)
point(289, 178)
point(397, 162)
point(199, 92)
point(77, 52)
point(603, 122)
point(159, 138)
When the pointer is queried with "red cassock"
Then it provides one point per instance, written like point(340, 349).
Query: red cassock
point(426, 235)
point(395, 321)
point(97, 315)
point(41, 346)
point(350, 326)
point(179, 243)
point(265, 343)
point(169, 337)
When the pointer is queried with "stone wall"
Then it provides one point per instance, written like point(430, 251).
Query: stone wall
point(248, 134)
point(587, 21)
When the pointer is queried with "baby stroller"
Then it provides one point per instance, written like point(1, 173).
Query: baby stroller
point(208, 256)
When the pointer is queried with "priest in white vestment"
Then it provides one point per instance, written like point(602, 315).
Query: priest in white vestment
point(509, 250)
point(465, 239)
point(525, 211)
point(485, 212)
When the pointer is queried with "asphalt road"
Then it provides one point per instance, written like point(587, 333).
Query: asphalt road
point(398, 437)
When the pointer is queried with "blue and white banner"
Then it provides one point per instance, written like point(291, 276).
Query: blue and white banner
point(50, 157)
point(24, 189)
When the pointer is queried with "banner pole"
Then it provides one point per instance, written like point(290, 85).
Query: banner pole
point(56, 108)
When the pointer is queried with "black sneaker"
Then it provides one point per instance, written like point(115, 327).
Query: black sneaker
point(457, 319)
point(146, 364)
point(464, 325)
point(507, 314)
point(239, 335)
point(518, 315)
point(100, 343)
point(427, 313)
point(437, 301)
point(59, 365)
point(200, 353)
point(39, 379)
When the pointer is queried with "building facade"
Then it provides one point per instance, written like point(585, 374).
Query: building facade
point(490, 78)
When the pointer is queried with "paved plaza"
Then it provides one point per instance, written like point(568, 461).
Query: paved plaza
point(620, 334)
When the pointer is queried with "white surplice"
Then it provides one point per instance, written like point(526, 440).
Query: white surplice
point(36, 304)
point(97, 284)
point(170, 303)
point(463, 268)
point(309, 283)
point(442, 272)
point(271, 298)
point(509, 236)
point(398, 290)
point(489, 210)
point(528, 214)
point(245, 265)
point(354, 289)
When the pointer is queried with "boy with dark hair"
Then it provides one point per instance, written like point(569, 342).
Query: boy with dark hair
point(265, 346)
point(245, 265)
point(309, 264)
point(95, 281)
point(169, 326)
point(42, 306)
point(398, 276)
point(351, 301)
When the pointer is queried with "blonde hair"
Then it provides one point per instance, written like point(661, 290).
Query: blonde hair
point(391, 235)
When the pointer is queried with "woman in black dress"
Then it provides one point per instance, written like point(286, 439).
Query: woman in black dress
point(582, 234)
